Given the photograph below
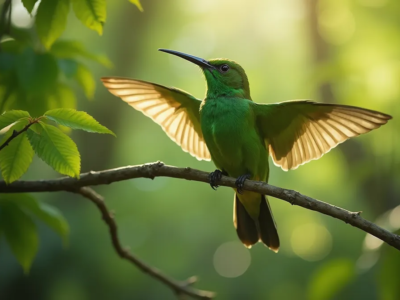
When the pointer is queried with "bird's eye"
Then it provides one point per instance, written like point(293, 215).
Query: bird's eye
point(224, 68)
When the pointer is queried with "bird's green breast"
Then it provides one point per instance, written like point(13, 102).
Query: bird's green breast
point(229, 130)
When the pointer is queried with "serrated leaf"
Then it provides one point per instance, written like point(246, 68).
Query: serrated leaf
point(137, 3)
point(15, 158)
point(92, 13)
point(36, 71)
point(76, 120)
point(50, 215)
point(72, 49)
point(29, 4)
point(51, 20)
point(20, 233)
point(85, 79)
point(12, 116)
point(56, 149)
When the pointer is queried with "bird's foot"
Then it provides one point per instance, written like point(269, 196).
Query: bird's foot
point(240, 182)
point(215, 177)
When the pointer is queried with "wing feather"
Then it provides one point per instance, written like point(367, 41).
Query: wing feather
point(299, 131)
point(174, 110)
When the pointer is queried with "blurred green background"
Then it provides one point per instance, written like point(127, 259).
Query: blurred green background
point(335, 51)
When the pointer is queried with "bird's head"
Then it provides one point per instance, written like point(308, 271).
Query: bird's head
point(225, 78)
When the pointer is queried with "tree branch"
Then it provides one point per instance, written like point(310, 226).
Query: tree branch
point(180, 288)
point(16, 133)
point(157, 169)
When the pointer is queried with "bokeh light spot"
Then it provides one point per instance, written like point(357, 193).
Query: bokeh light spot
point(231, 259)
point(20, 16)
point(371, 242)
point(382, 81)
point(311, 241)
point(367, 260)
point(394, 218)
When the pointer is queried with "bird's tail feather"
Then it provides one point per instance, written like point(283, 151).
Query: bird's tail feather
point(267, 227)
point(250, 231)
point(245, 226)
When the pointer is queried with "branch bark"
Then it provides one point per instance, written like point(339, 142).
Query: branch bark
point(158, 169)
point(180, 288)
point(15, 134)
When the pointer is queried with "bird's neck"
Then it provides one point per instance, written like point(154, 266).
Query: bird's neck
point(216, 90)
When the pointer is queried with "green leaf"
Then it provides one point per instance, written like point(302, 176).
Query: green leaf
point(92, 13)
point(73, 49)
point(20, 233)
point(36, 71)
point(137, 3)
point(85, 79)
point(12, 116)
point(76, 120)
point(329, 279)
point(50, 215)
point(29, 4)
point(15, 158)
point(55, 148)
point(51, 20)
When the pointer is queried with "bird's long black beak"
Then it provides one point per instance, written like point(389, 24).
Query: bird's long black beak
point(194, 59)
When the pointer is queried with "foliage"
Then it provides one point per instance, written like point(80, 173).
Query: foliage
point(24, 137)
point(47, 141)
point(16, 223)
point(17, 156)
point(36, 75)
point(38, 78)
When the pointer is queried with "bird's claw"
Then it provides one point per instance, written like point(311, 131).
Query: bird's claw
point(240, 182)
point(214, 178)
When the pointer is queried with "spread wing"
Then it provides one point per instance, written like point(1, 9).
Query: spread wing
point(176, 111)
point(300, 131)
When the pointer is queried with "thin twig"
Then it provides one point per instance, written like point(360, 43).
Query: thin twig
point(157, 169)
point(180, 288)
point(15, 134)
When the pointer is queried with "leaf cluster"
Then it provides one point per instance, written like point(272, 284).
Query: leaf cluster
point(25, 136)
point(37, 70)
point(37, 74)
point(36, 81)
point(52, 15)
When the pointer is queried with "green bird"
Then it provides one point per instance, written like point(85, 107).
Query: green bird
point(238, 135)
